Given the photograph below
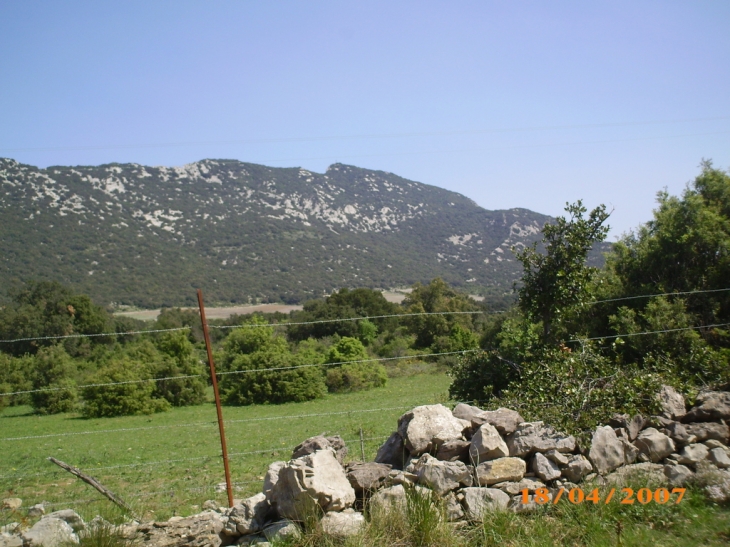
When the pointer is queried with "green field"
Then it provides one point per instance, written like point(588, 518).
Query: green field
point(169, 463)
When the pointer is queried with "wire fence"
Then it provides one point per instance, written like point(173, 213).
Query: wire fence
point(249, 463)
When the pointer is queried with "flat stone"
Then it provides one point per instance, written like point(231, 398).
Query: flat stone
point(672, 403)
point(693, 454)
point(441, 477)
point(719, 457)
point(487, 444)
point(709, 430)
point(710, 406)
point(344, 524)
point(515, 488)
point(655, 445)
point(642, 473)
point(558, 457)
point(500, 470)
point(578, 467)
point(320, 442)
point(678, 433)
point(504, 420)
point(531, 437)
point(282, 530)
point(453, 450)
point(466, 412)
point(478, 501)
point(367, 477)
point(678, 475)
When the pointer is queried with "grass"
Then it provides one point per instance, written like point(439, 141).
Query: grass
point(120, 452)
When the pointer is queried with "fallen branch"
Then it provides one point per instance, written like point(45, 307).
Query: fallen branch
point(96, 484)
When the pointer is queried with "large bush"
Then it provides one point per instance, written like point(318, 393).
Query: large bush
point(353, 376)
point(179, 359)
point(54, 373)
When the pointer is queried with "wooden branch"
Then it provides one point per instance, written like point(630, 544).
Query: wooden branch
point(96, 484)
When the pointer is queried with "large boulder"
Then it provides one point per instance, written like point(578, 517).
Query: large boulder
point(500, 470)
point(531, 437)
point(71, 517)
point(477, 501)
point(631, 425)
point(693, 454)
point(440, 476)
point(711, 406)
point(466, 412)
point(201, 530)
point(393, 452)
point(678, 475)
point(453, 450)
point(504, 420)
point(654, 444)
point(312, 479)
point(578, 467)
point(607, 451)
point(639, 473)
point(426, 427)
point(390, 498)
point(248, 516)
point(679, 434)
point(672, 403)
point(719, 457)
point(367, 477)
point(50, 532)
point(487, 444)
point(272, 476)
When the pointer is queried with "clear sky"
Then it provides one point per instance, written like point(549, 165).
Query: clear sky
point(512, 103)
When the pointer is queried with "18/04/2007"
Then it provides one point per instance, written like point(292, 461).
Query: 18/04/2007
point(577, 495)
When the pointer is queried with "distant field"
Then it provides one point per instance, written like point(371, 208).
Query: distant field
point(185, 444)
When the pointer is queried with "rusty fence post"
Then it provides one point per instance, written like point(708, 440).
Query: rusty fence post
point(214, 380)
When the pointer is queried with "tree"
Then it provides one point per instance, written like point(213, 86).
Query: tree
point(555, 281)
point(356, 373)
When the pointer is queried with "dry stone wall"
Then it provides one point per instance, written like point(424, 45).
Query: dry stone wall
point(472, 459)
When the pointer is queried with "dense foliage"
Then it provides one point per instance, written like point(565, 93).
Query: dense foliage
point(585, 343)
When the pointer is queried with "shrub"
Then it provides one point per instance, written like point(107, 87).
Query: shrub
point(54, 371)
point(122, 399)
point(358, 375)
point(179, 359)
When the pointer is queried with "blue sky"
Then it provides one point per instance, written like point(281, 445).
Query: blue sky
point(513, 104)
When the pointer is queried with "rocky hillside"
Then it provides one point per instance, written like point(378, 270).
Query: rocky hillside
point(132, 234)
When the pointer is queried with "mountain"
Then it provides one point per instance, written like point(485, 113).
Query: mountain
point(149, 236)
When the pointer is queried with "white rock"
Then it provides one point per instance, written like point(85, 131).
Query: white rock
point(544, 468)
point(50, 532)
point(501, 470)
point(477, 501)
point(283, 529)
point(655, 445)
point(720, 458)
point(504, 420)
point(487, 444)
point(531, 437)
point(440, 476)
point(250, 515)
point(69, 516)
point(421, 426)
point(272, 476)
point(693, 454)
point(678, 475)
point(577, 468)
point(347, 523)
point(672, 403)
point(607, 450)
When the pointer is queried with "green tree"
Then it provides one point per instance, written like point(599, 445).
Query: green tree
point(353, 370)
point(179, 362)
point(54, 374)
point(555, 282)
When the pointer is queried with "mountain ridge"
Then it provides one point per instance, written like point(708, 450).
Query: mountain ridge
point(148, 236)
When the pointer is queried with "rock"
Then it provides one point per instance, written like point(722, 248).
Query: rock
point(254, 540)
point(211, 505)
point(11, 503)
point(367, 477)
point(530, 437)
point(719, 457)
point(677, 475)
point(345, 524)
point(282, 530)
point(487, 444)
point(714, 443)
point(11, 528)
point(10, 541)
point(671, 402)
point(401, 477)
point(710, 430)
point(393, 452)
point(423, 424)
point(389, 498)
point(317, 478)
point(678, 433)
point(454, 511)
point(320, 442)
point(607, 451)
point(36, 511)
point(558, 457)
point(655, 445)
point(249, 516)
point(272, 476)
point(544, 468)
point(466, 412)
point(631, 452)
point(710, 406)
point(456, 449)
point(201, 530)
point(504, 420)
point(693, 454)
point(641, 473)
point(50, 532)
point(500, 470)
point(440, 476)
point(577, 468)
point(515, 488)
point(69, 516)
point(477, 501)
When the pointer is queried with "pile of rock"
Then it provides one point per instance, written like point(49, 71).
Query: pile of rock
point(474, 460)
